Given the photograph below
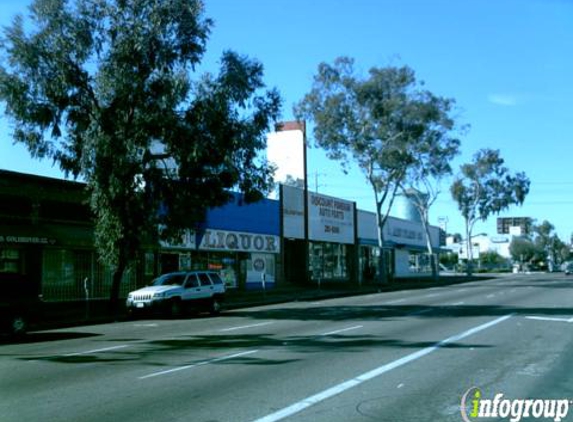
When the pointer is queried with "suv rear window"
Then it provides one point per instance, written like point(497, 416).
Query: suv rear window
point(215, 278)
point(169, 280)
point(204, 279)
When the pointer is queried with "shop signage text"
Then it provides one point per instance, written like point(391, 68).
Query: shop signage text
point(222, 240)
point(330, 219)
point(27, 239)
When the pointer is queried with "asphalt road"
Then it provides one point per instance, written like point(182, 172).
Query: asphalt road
point(397, 356)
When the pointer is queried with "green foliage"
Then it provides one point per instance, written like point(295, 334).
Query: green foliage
point(393, 129)
point(492, 259)
point(105, 89)
point(384, 122)
point(549, 242)
point(525, 250)
point(449, 259)
point(485, 186)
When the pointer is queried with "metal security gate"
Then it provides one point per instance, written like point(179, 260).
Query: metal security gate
point(72, 275)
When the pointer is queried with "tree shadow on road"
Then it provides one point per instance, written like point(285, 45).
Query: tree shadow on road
point(44, 337)
point(388, 312)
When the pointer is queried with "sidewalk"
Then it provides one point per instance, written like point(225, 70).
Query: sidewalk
point(69, 314)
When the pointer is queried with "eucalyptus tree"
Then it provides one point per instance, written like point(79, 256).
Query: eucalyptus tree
point(108, 89)
point(485, 187)
point(432, 163)
point(384, 122)
point(547, 240)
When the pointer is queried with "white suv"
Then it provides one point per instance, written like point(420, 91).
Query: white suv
point(175, 292)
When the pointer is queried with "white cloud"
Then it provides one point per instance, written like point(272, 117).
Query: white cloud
point(503, 99)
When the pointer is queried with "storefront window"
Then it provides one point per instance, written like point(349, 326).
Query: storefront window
point(149, 264)
point(10, 261)
point(369, 256)
point(419, 262)
point(328, 261)
point(226, 265)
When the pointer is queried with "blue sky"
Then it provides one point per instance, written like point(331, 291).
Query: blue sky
point(507, 63)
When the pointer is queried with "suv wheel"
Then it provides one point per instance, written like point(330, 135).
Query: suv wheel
point(175, 308)
point(215, 306)
point(18, 325)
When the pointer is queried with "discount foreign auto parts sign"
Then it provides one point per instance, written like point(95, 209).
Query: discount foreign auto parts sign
point(330, 219)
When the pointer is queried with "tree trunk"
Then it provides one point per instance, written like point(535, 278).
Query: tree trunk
point(382, 275)
point(429, 246)
point(470, 263)
point(115, 286)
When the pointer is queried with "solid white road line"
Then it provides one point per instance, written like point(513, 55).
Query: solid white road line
point(343, 330)
point(242, 327)
point(205, 362)
point(550, 319)
point(392, 302)
point(340, 388)
point(89, 352)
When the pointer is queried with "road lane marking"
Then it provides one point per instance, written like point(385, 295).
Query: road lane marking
point(392, 302)
point(550, 319)
point(202, 363)
point(90, 352)
point(242, 327)
point(354, 382)
point(343, 330)
point(428, 310)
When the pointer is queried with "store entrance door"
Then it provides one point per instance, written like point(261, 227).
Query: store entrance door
point(169, 263)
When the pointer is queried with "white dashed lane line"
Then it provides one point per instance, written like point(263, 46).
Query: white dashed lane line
point(195, 365)
point(342, 330)
point(244, 327)
point(91, 352)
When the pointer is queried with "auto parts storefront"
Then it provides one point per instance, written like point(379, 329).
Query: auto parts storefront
point(330, 239)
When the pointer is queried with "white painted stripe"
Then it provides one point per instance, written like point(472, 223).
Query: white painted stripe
point(343, 330)
point(205, 362)
point(490, 296)
point(242, 327)
point(89, 352)
point(395, 301)
point(340, 388)
point(456, 304)
point(550, 319)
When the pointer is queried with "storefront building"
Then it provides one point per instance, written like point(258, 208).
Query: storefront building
point(405, 246)
point(241, 241)
point(324, 244)
point(46, 235)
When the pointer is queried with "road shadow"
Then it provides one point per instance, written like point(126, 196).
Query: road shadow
point(382, 312)
point(44, 337)
point(153, 352)
point(310, 344)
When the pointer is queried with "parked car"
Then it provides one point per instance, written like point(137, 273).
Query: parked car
point(173, 293)
point(20, 303)
point(567, 267)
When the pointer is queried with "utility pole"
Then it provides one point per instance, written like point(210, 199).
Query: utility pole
point(316, 185)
